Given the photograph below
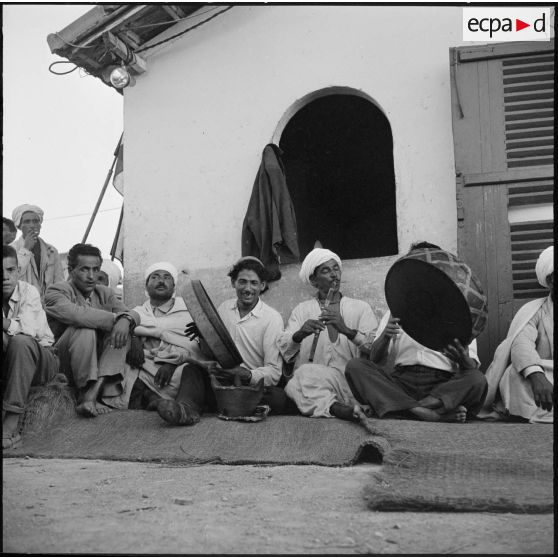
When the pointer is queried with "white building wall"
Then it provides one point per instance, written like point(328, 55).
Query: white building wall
point(197, 120)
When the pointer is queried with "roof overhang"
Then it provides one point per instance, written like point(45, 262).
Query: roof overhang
point(111, 34)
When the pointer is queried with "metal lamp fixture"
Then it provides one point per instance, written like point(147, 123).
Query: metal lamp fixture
point(120, 77)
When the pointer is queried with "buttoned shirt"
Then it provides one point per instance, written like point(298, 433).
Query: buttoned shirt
point(408, 352)
point(27, 316)
point(255, 336)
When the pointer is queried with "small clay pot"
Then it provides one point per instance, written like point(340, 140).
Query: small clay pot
point(237, 401)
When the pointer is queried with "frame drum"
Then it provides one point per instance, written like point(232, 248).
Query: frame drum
point(210, 324)
point(437, 298)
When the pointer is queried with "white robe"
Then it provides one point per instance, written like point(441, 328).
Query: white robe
point(315, 386)
point(509, 392)
point(162, 334)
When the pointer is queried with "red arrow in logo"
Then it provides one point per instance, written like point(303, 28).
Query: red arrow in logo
point(519, 25)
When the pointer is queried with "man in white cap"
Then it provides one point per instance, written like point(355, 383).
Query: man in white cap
point(338, 327)
point(521, 376)
point(254, 327)
point(92, 330)
point(39, 262)
point(159, 348)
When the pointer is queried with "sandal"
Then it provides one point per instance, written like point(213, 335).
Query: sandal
point(177, 413)
point(11, 442)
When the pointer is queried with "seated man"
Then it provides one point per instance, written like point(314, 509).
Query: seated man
point(254, 327)
point(159, 346)
point(9, 231)
point(27, 342)
point(318, 386)
point(39, 262)
point(430, 385)
point(521, 376)
point(92, 330)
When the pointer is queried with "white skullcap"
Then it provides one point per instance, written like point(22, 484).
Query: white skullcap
point(545, 265)
point(315, 258)
point(250, 258)
point(18, 212)
point(113, 272)
point(163, 266)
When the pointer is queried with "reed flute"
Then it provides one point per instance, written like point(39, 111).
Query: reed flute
point(327, 302)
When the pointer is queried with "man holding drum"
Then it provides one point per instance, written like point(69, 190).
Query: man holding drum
point(253, 326)
point(429, 385)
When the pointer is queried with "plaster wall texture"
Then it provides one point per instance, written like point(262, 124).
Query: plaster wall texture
point(196, 122)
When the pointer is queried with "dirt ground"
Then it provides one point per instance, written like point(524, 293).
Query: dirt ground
point(85, 506)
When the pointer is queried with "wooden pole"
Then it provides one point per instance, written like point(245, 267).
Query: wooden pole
point(103, 190)
point(118, 232)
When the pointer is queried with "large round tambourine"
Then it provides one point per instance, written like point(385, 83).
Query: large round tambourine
point(210, 324)
point(437, 298)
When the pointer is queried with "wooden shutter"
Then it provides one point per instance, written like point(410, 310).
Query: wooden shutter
point(503, 126)
point(529, 110)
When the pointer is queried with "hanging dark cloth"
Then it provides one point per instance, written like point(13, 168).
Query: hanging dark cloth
point(269, 229)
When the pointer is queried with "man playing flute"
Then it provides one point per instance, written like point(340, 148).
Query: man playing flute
point(344, 326)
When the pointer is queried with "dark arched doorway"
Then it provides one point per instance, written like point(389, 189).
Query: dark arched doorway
point(338, 155)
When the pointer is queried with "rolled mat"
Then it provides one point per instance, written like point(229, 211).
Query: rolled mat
point(468, 467)
point(144, 436)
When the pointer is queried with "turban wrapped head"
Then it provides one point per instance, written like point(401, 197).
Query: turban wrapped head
point(314, 259)
point(545, 266)
point(163, 266)
point(18, 212)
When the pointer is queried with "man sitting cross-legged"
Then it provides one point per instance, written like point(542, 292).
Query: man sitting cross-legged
point(318, 386)
point(430, 385)
point(159, 347)
point(27, 346)
point(254, 327)
point(521, 376)
point(92, 330)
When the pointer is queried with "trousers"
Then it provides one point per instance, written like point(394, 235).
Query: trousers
point(401, 389)
point(85, 355)
point(26, 364)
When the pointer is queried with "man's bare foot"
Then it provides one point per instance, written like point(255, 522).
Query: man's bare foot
point(459, 414)
point(87, 409)
point(102, 409)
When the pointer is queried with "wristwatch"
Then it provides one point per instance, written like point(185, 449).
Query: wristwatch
point(127, 317)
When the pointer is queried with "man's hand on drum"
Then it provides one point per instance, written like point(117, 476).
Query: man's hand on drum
point(458, 353)
point(192, 331)
point(392, 329)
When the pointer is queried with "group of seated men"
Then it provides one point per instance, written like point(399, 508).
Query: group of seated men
point(153, 357)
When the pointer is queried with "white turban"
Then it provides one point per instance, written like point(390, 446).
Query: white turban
point(18, 212)
point(113, 272)
point(163, 266)
point(545, 265)
point(315, 258)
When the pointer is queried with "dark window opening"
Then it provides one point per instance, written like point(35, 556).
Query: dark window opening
point(338, 155)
